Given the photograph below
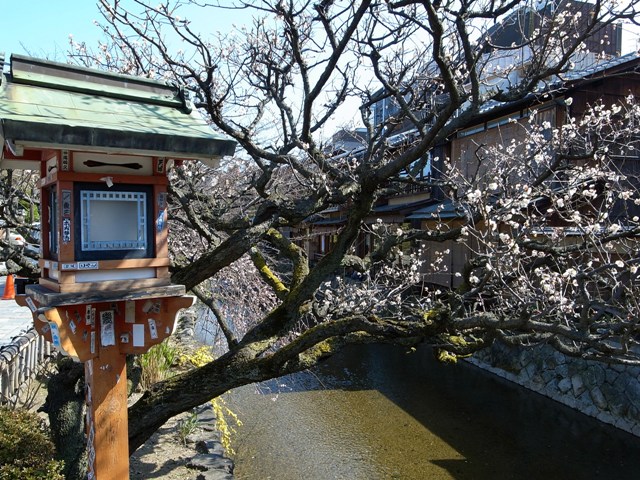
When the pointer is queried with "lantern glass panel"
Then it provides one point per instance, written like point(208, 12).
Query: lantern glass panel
point(113, 220)
point(112, 223)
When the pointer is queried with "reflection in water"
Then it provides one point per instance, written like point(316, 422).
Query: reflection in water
point(376, 412)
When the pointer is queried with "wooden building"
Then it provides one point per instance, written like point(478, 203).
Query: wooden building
point(608, 81)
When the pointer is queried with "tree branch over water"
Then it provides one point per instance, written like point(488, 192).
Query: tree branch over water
point(547, 259)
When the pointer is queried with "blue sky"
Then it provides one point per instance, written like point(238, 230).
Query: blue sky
point(41, 28)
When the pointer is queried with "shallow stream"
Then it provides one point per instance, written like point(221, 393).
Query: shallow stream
point(378, 412)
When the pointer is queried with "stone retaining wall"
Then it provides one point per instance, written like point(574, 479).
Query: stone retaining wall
point(610, 393)
point(210, 459)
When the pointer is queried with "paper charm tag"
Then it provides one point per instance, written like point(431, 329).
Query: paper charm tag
point(107, 328)
point(55, 335)
point(153, 331)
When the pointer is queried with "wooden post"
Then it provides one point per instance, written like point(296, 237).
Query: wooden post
point(107, 431)
point(101, 334)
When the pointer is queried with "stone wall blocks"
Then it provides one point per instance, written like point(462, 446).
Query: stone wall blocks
point(632, 393)
point(562, 371)
point(621, 424)
point(211, 461)
point(611, 376)
point(537, 382)
point(623, 381)
point(574, 368)
point(598, 398)
point(593, 376)
point(605, 417)
point(559, 358)
point(584, 400)
point(590, 409)
point(214, 475)
point(577, 385)
point(610, 393)
point(619, 409)
point(553, 393)
point(209, 446)
point(570, 402)
point(531, 370)
point(618, 368)
point(633, 414)
point(618, 404)
point(548, 376)
point(564, 385)
point(205, 413)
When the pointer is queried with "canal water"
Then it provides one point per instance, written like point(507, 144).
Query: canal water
point(379, 412)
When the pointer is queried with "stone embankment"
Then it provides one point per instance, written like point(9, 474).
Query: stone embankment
point(210, 458)
point(171, 454)
point(610, 393)
point(168, 455)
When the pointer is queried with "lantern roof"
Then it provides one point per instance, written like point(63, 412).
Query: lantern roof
point(55, 105)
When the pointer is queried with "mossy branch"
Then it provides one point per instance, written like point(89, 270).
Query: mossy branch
point(323, 339)
point(279, 288)
point(293, 252)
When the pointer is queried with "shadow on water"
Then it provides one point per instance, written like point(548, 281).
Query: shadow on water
point(377, 412)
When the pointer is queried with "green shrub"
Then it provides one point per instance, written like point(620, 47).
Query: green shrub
point(156, 364)
point(187, 426)
point(26, 452)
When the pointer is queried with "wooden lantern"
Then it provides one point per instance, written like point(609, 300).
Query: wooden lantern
point(102, 143)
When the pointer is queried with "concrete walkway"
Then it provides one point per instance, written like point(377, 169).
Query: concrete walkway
point(14, 319)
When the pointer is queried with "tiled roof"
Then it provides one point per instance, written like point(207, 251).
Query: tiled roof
point(48, 103)
point(441, 210)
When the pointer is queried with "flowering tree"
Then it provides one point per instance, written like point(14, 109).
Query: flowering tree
point(549, 262)
point(556, 253)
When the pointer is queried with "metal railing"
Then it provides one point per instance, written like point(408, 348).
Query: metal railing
point(20, 361)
